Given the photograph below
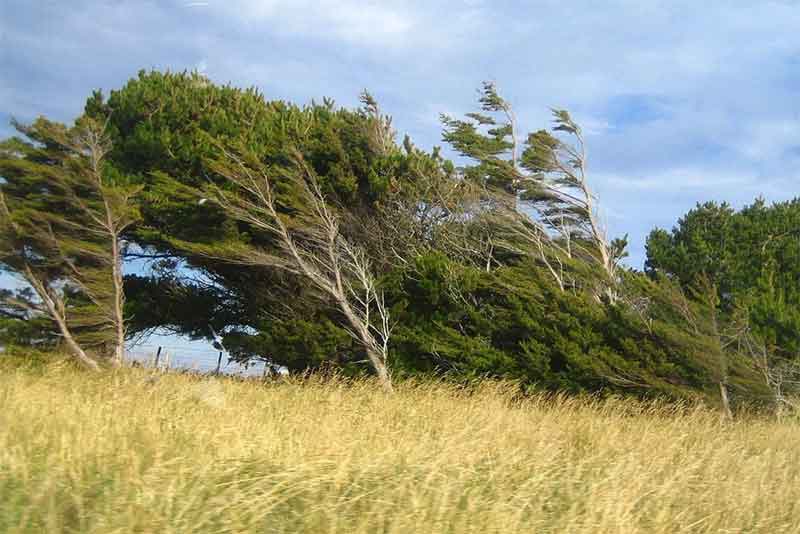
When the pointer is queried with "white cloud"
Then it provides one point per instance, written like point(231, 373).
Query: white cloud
point(393, 25)
point(677, 179)
point(769, 139)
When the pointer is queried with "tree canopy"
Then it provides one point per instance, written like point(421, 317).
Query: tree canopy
point(753, 257)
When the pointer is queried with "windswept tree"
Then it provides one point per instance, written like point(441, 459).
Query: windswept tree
point(558, 187)
point(63, 213)
point(308, 244)
point(552, 208)
point(490, 138)
point(325, 203)
point(165, 127)
point(752, 256)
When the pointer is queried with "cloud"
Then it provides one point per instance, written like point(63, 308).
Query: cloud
point(385, 25)
point(674, 179)
point(770, 139)
point(364, 23)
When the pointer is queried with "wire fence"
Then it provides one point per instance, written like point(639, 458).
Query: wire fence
point(200, 360)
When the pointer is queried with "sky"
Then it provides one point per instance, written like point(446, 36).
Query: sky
point(681, 101)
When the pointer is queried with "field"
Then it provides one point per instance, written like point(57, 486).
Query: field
point(128, 451)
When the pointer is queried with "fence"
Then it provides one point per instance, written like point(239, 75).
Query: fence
point(195, 359)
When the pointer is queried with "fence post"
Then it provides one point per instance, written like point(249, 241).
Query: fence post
point(158, 355)
point(219, 363)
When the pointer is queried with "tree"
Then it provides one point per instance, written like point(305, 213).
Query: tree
point(752, 256)
point(500, 267)
point(490, 138)
point(165, 128)
point(552, 207)
point(309, 244)
point(559, 189)
point(780, 374)
point(708, 323)
point(701, 243)
point(64, 212)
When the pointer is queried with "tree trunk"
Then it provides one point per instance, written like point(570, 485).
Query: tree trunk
point(60, 319)
point(381, 370)
point(376, 356)
point(119, 305)
point(76, 349)
point(727, 414)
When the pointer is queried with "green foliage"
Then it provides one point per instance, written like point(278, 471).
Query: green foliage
point(310, 342)
point(168, 129)
point(20, 325)
point(28, 332)
point(546, 185)
point(166, 126)
point(753, 257)
point(488, 138)
point(701, 243)
point(515, 322)
point(62, 212)
point(475, 287)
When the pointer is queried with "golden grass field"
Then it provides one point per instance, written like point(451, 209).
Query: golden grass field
point(122, 452)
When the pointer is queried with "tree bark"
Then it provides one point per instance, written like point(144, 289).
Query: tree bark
point(119, 303)
point(61, 321)
point(384, 377)
point(727, 414)
point(375, 355)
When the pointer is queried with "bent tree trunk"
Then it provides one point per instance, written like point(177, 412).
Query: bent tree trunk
point(727, 414)
point(76, 349)
point(118, 303)
point(375, 352)
point(61, 321)
point(381, 370)
point(323, 256)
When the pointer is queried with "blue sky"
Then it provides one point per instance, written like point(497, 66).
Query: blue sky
point(681, 101)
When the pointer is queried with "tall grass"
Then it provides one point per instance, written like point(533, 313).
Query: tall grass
point(124, 452)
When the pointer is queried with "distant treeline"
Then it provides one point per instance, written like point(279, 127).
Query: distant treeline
point(311, 237)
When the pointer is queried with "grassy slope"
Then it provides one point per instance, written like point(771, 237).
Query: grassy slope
point(121, 453)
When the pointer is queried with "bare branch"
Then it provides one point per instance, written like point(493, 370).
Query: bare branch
point(318, 252)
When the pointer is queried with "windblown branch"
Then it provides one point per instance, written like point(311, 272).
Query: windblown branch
point(309, 244)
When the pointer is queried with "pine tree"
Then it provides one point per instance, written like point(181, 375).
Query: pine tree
point(165, 127)
point(551, 204)
point(63, 212)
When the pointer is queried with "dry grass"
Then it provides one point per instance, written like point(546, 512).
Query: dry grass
point(121, 453)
